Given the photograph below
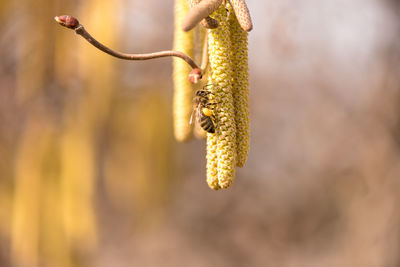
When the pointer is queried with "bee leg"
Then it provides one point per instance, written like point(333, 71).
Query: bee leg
point(207, 85)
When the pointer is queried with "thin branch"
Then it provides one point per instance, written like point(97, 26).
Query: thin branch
point(199, 12)
point(207, 22)
point(72, 23)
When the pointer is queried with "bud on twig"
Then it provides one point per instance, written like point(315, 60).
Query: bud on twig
point(195, 75)
point(67, 21)
point(73, 23)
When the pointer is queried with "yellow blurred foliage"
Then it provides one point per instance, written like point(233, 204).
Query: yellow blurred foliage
point(51, 173)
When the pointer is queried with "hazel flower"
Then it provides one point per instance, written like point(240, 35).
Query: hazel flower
point(228, 75)
point(183, 90)
point(212, 162)
point(221, 146)
point(240, 87)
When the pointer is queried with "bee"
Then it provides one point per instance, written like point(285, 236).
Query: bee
point(204, 110)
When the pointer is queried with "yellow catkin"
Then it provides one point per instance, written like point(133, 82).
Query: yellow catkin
point(200, 49)
point(223, 142)
point(77, 186)
point(25, 234)
point(82, 117)
point(183, 90)
point(54, 250)
point(212, 162)
point(240, 88)
point(137, 168)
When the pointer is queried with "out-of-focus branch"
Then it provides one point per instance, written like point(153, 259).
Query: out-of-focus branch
point(204, 56)
point(72, 23)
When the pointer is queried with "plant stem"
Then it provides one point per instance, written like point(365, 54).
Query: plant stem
point(79, 29)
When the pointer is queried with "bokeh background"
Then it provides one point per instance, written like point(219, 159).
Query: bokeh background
point(90, 174)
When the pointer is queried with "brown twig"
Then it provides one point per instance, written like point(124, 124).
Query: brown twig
point(201, 9)
point(199, 12)
point(72, 23)
point(207, 22)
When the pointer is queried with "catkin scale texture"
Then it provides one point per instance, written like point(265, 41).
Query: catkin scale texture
point(240, 88)
point(221, 146)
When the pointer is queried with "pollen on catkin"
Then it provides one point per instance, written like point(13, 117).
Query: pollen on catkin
point(212, 161)
point(183, 89)
point(221, 146)
point(240, 87)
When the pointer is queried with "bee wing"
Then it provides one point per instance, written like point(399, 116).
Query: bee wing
point(191, 117)
point(198, 114)
point(194, 114)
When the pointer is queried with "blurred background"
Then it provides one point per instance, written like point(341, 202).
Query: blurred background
point(90, 174)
